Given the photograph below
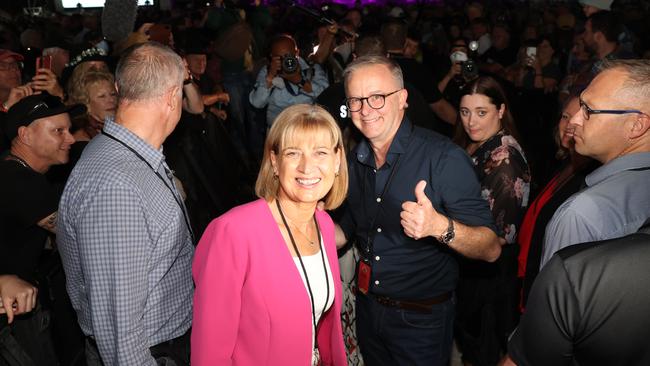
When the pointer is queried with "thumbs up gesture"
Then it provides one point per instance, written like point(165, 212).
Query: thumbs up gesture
point(419, 219)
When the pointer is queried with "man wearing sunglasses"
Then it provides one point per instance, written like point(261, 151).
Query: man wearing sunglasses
point(613, 127)
point(413, 202)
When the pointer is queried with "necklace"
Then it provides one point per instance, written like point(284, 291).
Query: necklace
point(315, 353)
point(19, 160)
point(304, 235)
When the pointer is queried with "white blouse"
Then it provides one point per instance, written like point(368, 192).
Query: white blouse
point(314, 267)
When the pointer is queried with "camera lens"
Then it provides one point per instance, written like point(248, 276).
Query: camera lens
point(289, 64)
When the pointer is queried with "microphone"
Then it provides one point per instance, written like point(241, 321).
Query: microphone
point(323, 19)
point(118, 18)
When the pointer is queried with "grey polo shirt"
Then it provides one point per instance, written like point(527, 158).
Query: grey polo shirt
point(615, 203)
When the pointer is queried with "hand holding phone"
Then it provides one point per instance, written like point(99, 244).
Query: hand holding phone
point(44, 62)
point(531, 55)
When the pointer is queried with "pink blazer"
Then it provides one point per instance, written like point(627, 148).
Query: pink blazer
point(250, 304)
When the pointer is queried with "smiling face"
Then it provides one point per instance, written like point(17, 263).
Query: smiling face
point(306, 167)
point(102, 100)
point(480, 117)
point(377, 125)
point(566, 136)
point(50, 139)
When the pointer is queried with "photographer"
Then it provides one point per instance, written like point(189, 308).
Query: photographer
point(536, 68)
point(286, 80)
point(461, 71)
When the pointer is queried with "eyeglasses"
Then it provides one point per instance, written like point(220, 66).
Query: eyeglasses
point(8, 66)
point(375, 101)
point(587, 111)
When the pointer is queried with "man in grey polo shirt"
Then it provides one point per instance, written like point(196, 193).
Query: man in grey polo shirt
point(613, 127)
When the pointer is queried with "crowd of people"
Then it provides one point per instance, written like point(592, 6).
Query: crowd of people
point(181, 194)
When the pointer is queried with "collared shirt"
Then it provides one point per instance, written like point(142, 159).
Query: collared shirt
point(126, 248)
point(615, 203)
point(282, 93)
point(404, 268)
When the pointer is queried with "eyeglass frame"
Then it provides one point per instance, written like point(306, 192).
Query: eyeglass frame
point(347, 100)
point(9, 66)
point(587, 111)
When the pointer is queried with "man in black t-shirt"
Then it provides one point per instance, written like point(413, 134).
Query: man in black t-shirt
point(38, 127)
point(589, 306)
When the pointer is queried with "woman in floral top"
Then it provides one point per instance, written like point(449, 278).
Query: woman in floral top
point(487, 292)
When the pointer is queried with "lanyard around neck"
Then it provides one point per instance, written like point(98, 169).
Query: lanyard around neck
point(304, 271)
point(169, 175)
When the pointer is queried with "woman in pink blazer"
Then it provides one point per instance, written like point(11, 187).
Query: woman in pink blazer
point(268, 288)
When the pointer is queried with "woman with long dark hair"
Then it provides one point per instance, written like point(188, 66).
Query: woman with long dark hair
point(487, 292)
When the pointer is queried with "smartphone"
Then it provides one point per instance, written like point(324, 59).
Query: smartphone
point(531, 52)
point(44, 62)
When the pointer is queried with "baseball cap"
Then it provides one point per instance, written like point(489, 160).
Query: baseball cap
point(36, 106)
point(5, 54)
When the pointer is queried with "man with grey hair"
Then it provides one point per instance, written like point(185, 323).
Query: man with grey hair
point(414, 202)
point(125, 237)
point(613, 127)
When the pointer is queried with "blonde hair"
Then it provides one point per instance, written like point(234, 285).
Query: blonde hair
point(295, 123)
point(75, 84)
point(80, 94)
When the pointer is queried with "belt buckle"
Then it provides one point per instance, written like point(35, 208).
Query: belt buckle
point(386, 301)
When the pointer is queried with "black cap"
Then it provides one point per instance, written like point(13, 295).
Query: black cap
point(36, 106)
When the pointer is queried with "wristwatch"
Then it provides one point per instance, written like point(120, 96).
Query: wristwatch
point(448, 236)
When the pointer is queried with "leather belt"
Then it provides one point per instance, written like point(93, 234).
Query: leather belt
point(153, 349)
point(423, 306)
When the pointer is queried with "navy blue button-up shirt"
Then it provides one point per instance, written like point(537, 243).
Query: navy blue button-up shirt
point(404, 268)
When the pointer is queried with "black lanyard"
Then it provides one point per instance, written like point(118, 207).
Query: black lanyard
point(169, 175)
point(304, 271)
point(371, 233)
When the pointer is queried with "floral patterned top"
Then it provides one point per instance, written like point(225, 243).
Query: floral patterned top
point(504, 174)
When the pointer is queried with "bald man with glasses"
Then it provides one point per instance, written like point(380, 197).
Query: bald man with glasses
point(612, 127)
point(414, 203)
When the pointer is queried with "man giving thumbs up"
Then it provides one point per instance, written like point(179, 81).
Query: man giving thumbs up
point(414, 204)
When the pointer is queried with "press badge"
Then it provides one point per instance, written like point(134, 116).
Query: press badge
point(363, 277)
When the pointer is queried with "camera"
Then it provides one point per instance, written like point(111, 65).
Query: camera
point(289, 63)
point(469, 68)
